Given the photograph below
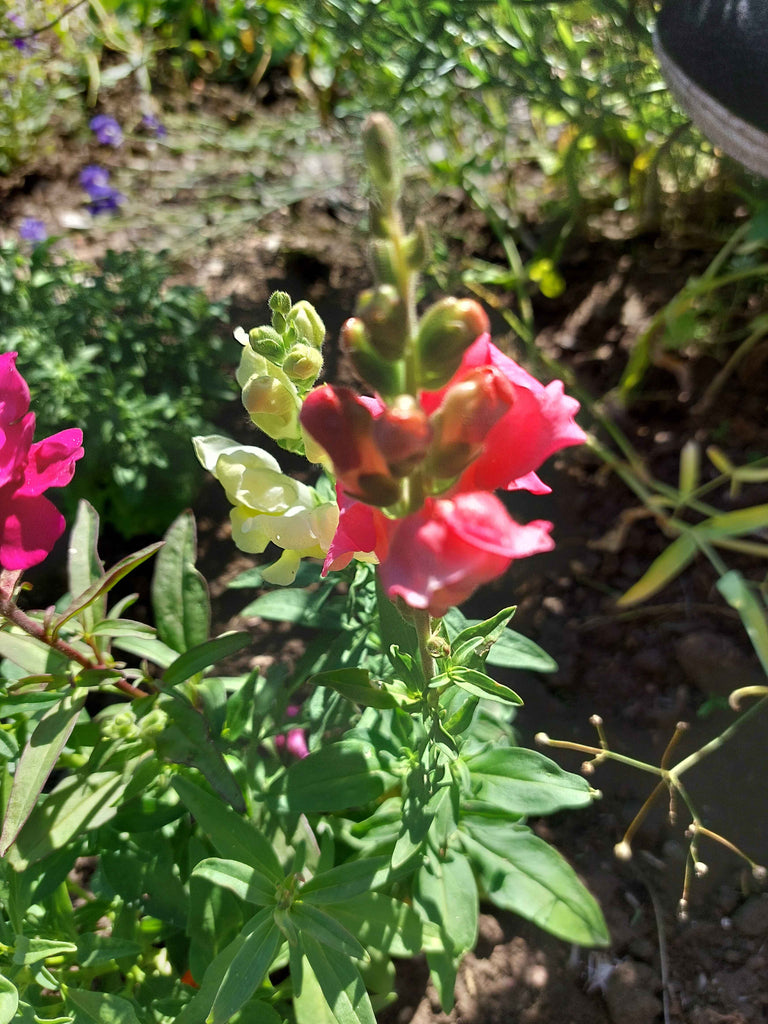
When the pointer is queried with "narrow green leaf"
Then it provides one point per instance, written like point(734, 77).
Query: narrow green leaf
point(179, 592)
point(99, 1007)
point(233, 836)
point(326, 930)
point(340, 982)
point(665, 568)
point(384, 923)
point(120, 627)
point(103, 585)
point(36, 763)
point(480, 685)
point(734, 524)
point(100, 949)
point(249, 967)
point(344, 882)
point(309, 1004)
point(314, 609)
point(32, 951)
point(149, 648)
point(84, 567)
point(30, 654)
point(513, 650)
point(490, 631)
point(78, 803)
point(244, 881)
point(203, 656)
point(355, 684)
point(740, 596)
point(524, 781)
point(9, 745)
point(521, 873)
point(9, 1000)
point(446, 894)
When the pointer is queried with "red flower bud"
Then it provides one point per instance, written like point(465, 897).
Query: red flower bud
point(402, 435)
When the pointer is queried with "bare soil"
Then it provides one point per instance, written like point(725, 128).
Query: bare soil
point(642, 670)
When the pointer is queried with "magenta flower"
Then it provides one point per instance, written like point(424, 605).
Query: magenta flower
point(294, 741)
point(490, 427)
point(108, 131)
point(29, 523)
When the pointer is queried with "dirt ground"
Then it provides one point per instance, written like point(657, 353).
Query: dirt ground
point(642, 669)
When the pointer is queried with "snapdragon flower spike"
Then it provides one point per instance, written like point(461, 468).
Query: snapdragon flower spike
point(490, 427)
point(29, 523)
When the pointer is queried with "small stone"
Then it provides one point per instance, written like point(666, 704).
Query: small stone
point(752, 917)
point(629, 994)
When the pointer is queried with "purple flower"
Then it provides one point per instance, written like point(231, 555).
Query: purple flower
point(33, 230)
point(108, 131)
point(104, 197)
point(18, 21)
point(294, 741)
point(152, 124)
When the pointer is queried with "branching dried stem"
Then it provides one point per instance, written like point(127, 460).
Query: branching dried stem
point(31, 33)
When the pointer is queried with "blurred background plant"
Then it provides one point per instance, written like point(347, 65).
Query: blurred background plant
point(130, 360)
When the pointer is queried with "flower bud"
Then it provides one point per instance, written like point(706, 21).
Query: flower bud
point(303, 363)
point(382, 376)
point(273, 406)
point(446, 331)
point(265, 341)
point(417, 247)
point(383, 257)
point(305, 318)
point(381, 151)
point(470, 408)
point(402, 434)
point(384, 315)
point(280, 302)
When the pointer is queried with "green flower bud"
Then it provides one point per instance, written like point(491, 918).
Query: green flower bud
point(383, 261)
point(417, 247)
point(384, 315)
point(382, 376)
point(303, 363)
point(381, 151)
point(446, 331)
point(266, 341)
point(305, 318)
point(273, 406)
point(280, 302)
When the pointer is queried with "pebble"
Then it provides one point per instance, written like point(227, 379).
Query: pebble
point(752, 917)
point(629, 994)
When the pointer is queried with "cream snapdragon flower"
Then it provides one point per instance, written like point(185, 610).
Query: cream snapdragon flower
point(268, 506)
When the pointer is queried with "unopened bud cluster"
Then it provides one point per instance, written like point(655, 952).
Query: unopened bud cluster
point(279, 366)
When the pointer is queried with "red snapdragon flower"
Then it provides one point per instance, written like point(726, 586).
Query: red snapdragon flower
point(29, 523)
point(491, 426)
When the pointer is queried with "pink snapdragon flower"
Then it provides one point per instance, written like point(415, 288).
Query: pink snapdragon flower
point(490, 427)
point(29, 523)
point(294, 741)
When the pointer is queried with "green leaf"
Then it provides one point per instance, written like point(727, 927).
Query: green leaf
point(100, 949)
point(524, 781)
point(99, 1007)
point(338, 776)
point(740, 596)
point(340, 982)
point(345, 882)
point(489, 631)
point(103, 585)
point(120, 627)
point(179, 592)
point(30, 654)
point(150, 649)
point(248, 883)
point(78, 803)
point(309, 1004)
point(480, 685)
point(513, 650)
point(663, 569)
point(733, 524)
point(313, 609)
point(326, 930)
point(203, 656)
point(395, 630)
point(233, 836)
point(36, 763)
point(520, 872)
point(84, 565)
point(249, 967)
point(187, 739)
point(446, 894)
point(355, 684)
point(384, 923)
point(9, 1000)
point(32, 951)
